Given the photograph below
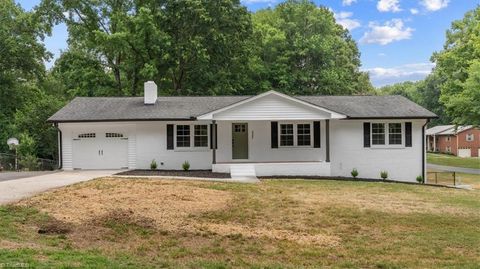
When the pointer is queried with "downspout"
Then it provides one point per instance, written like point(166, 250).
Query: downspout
point(424, 173)
point(60, 153)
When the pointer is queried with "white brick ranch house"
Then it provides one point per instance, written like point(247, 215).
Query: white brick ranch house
point(272, 134)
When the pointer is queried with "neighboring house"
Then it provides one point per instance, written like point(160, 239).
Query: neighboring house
point(270, 134)
point(462, 141)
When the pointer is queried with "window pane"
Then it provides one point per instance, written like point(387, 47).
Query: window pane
point(286, 134)
point(378, 134)
point(201, 136)
point(395, 133)
point(183, 136)
point(303, 135)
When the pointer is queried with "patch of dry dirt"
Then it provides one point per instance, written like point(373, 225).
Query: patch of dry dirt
point(277, 234)
point(167, 203)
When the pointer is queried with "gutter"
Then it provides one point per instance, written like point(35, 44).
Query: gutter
point(60, 150)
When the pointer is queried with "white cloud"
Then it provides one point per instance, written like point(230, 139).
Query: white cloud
point(388, 5)
point(345, 20)
point(414, 11)
point(389, 32)
point(381, 54)
point(381, 76)
point(434, 5)
point(348, 2)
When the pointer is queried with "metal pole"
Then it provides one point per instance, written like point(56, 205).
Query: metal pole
point(454, 179)
point(16, 160)
point(436, 173)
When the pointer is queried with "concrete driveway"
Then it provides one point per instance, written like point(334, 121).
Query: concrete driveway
point(16, 175)
point(16, 189)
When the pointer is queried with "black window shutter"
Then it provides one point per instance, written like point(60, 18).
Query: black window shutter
point(211, 136)
point(408, 134)
point(274, 134)
point(316, 134)
point(366, 134)
point(169, 136)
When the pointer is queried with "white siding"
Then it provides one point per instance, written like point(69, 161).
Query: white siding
point(272, 107)
point(152, 145)
point(259, 144)
point(347, 152)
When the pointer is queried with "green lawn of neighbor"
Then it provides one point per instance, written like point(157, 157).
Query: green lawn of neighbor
point(450, 160)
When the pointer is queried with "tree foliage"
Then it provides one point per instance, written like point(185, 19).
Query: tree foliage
point(22, 57)
point(300, 49)
point(458, 65)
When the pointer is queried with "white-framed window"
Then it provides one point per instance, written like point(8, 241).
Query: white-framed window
point(286, 135)
point(387, 134)
point(395, 133)
point(295, 135)
point(470, 137)
point(191, 136)
point(304, 134)
point(449, 149)
point(449, 138)
point(200, 138)
point(183, 136)
point(378, 133)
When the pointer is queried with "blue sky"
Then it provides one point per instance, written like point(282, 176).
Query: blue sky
point(396, 37)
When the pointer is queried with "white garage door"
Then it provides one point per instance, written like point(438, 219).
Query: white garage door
point(464, 153)
point(100, 151)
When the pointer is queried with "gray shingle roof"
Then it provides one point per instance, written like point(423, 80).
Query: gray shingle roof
point(183, 108)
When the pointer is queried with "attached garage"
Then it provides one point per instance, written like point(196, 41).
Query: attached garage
point(100, 150)
point(464, 153)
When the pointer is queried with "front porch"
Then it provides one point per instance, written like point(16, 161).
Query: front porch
point(271, 135)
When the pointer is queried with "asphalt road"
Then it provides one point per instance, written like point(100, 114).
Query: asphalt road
point(453, 169)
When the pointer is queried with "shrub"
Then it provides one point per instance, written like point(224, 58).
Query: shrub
point(153, 165)
point(354, 173)
point(29, 163)
point(420, 179)
point(186, 166)
point(384, 175)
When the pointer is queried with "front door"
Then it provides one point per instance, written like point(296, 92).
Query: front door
point(240, 141)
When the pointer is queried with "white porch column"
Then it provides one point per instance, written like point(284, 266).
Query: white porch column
point(327, 141)
point(214, 144)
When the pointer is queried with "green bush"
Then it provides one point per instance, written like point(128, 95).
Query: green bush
point(186, 166)
point(354, 173)
point(153, 165)
point(29, 162)
point(420, 179)
point(384, 175)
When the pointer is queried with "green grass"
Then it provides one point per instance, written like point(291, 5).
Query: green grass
point(450, 160)
point(369, 225)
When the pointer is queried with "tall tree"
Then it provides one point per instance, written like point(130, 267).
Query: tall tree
point(188, 47)
point(22, 57)
point(457, 65)
point(301, 50)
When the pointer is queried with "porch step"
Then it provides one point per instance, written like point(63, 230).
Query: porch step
point(243, 172)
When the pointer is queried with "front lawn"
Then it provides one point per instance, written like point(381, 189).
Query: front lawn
point(450, 160)
point(136, 223)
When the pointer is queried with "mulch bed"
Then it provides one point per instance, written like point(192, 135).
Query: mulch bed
point(175, 173)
